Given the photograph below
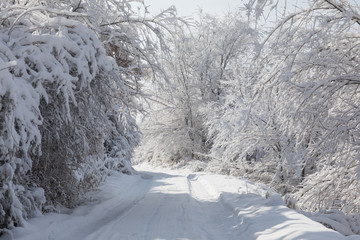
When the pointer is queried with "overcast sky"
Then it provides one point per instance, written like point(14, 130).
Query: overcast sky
point(188, 7)
point(219, 7)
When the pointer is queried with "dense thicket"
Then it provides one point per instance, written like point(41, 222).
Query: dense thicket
point(299, 120)
point(283, 111)
point(197, 68)
point(69, 83)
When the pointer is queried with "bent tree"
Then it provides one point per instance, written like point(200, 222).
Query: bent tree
point(292, 118)
point(70, 76)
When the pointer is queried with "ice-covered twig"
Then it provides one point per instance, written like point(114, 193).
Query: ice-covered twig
point(51, 10)
point(7, 65)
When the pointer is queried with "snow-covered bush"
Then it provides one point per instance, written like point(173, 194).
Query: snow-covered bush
point(19, 138)
point(69, 82)
point(291, 118)
point(320, 71)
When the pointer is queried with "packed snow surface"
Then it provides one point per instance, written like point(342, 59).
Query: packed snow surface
point(167, 204)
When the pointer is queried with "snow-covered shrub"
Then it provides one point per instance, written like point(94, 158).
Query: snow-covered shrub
point(19, 139)
point(321, 73)
point(168, 139)
point(345, 224)
point(69, 79)
point(297, 106)
point(245, 130)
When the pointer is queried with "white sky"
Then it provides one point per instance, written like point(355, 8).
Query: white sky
point(219, 7)
point(188, 7)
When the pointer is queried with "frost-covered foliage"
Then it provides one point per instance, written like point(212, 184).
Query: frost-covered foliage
point(338, 221)
point(172, 131)
point(69, 79)
point(198, 64)
point(291, 119)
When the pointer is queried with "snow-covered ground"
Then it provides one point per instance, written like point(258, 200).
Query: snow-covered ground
point(177, 205)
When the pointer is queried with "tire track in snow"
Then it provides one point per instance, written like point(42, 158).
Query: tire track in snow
point(221, 224)
point(176, 205)
point(117, 208)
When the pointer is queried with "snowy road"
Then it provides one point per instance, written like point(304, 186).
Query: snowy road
point(177, 205)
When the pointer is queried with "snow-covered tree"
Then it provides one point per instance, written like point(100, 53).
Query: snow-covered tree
point(198, 64)
point(171, 131)
point(69, 83)
point(291, 118)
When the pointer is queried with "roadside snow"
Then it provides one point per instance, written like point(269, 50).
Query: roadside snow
point(177, 205)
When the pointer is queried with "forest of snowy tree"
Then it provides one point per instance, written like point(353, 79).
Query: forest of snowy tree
point(275, 104)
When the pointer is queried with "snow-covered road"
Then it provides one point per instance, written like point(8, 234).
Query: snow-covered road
point(177, 205)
